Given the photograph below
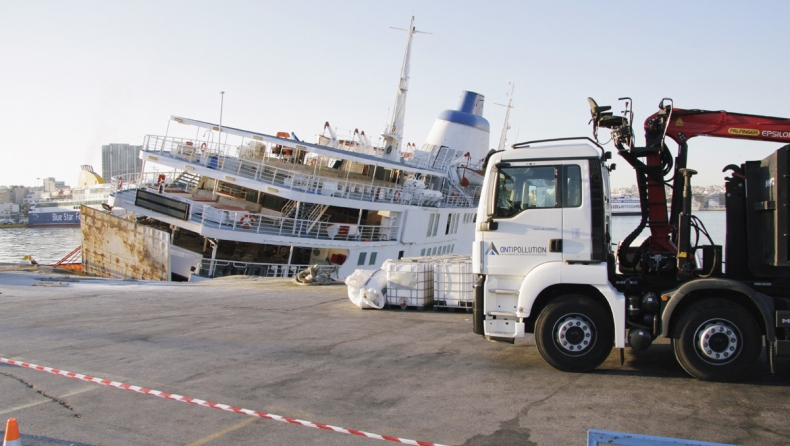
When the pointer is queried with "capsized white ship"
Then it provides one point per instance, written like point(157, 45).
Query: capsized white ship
point(244, 202)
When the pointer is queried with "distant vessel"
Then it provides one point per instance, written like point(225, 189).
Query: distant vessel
point(626, 205)
point(62, 208)
point(715, 203)
point(629, 205)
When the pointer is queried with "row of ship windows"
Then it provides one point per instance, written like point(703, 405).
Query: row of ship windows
point(452, 223)
point(437, 250)
point(362, 257)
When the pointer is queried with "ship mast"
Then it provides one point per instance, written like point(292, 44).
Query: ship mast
point(506, 127)
point(393, 134)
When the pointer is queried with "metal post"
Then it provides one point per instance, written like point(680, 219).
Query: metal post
point(685, 262)
point(288, 267)
point(162, 149)
point(214, 245)
point(296, 217)
point(221, 104)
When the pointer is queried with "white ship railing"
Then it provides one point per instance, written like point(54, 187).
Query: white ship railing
point(246, 222)
point(273, 171)
point(218, 268)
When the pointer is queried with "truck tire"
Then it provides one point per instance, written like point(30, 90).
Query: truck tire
point(574, 333)
point(717, 340)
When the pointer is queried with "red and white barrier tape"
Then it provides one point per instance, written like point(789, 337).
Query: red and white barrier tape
point(225, 407)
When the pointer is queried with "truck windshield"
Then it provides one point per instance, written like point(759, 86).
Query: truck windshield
point(534, 187)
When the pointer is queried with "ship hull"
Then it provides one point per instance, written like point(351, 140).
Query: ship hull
point(58, 218)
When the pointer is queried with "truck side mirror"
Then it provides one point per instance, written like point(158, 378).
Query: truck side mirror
point(489, 225)
point(607, 156)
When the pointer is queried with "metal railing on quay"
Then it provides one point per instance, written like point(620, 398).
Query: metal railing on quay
point(219, 268)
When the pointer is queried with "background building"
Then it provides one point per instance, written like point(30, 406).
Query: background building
point(120, 159)
point(9, 213)
point(51, 185)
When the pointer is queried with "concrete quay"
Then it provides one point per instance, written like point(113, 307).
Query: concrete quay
point(308, 353)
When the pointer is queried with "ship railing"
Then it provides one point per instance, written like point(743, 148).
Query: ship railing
point(147, 179)
point(256, 223)
point(299, 177)
point(219, 268)
point(247, 222)
point(188, 149)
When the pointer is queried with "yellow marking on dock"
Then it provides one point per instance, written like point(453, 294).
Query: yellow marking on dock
point(216, 435)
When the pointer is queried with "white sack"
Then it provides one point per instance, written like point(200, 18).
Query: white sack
point(367, 288)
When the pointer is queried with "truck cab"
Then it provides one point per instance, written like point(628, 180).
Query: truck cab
point(543, 238)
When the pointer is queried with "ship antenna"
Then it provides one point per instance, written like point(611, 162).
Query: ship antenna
point(506, 126)
point(393, 134)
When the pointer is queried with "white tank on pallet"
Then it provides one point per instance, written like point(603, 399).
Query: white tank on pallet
point(409, 282)
point(452, 282)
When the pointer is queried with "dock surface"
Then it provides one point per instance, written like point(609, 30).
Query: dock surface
point(308, 353)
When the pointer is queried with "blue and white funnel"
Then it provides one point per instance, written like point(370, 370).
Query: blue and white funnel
point(464, 130)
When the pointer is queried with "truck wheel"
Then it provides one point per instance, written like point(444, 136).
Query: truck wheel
point(718, 340)
point(574, 334)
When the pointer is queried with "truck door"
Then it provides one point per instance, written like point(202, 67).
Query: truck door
point(527, 213)
point(577, 225)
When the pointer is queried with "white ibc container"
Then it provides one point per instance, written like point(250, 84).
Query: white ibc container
point(453, 283)
point(409, 282)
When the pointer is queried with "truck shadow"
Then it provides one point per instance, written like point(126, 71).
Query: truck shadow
point(659, 361)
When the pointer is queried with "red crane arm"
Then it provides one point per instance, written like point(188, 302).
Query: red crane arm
point(682, 126)
point(686, 124)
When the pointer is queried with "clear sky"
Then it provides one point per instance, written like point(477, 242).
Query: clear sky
point(75, 75)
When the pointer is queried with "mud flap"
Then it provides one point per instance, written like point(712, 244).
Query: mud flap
point(478, 316)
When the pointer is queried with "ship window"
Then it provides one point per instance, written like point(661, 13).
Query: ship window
point(435, 224)
point(522, 188)
point(422, 252)
point(453, 248)
point(362, 256)
point(430, 224)
point(373, 258)
point(452, 223)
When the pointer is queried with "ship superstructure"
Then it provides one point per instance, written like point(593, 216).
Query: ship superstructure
point(255, 203)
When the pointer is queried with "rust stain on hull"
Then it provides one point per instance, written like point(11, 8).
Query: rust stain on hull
point(121, 249)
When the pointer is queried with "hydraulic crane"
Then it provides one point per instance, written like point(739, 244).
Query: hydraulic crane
point(655, 168)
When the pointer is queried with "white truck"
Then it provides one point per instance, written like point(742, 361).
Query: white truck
point(544, 263)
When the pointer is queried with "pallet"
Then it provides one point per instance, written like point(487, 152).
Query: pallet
point(450, 309)
point(409, 307)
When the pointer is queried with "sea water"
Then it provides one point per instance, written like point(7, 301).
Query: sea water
point(46, 245)
point(715, 222)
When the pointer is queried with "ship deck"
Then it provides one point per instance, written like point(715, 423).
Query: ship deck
point(280, 175)
point(228, 222)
